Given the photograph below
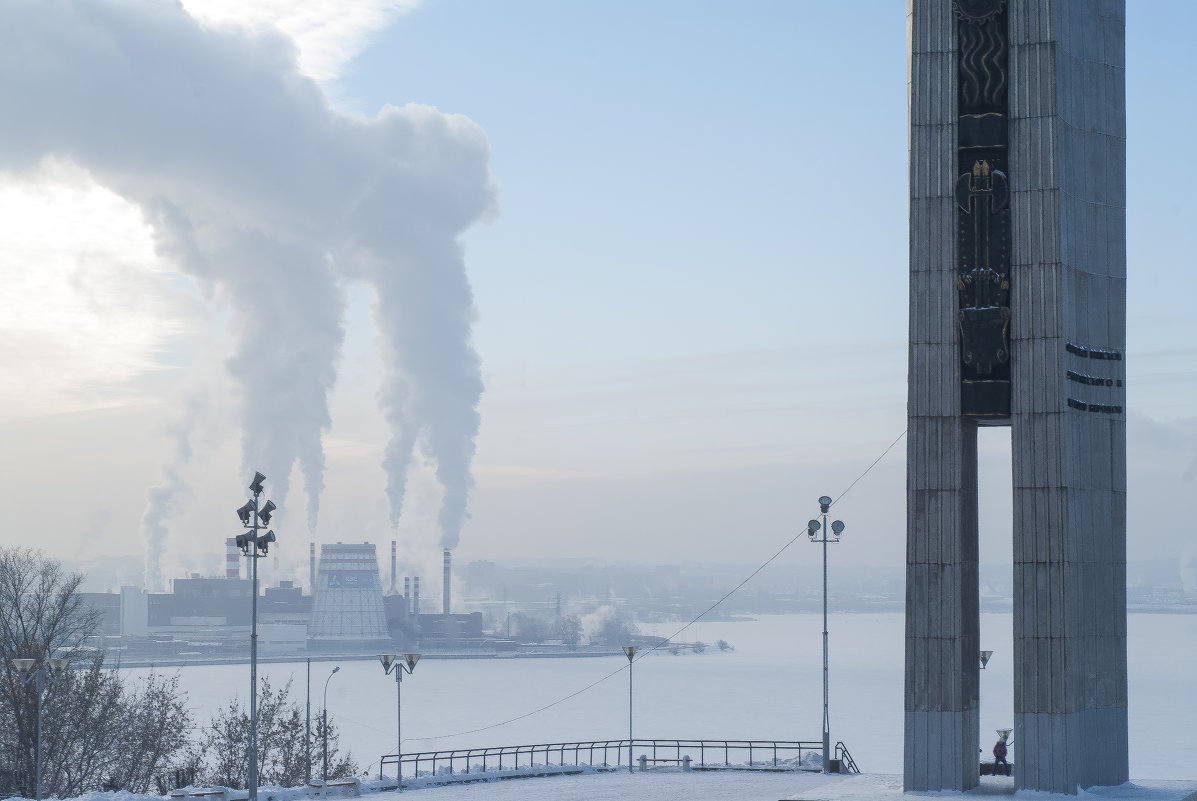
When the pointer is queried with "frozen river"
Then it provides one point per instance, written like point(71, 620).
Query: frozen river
point(769, 687)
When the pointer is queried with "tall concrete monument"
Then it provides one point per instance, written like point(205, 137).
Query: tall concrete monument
point(1018, 318)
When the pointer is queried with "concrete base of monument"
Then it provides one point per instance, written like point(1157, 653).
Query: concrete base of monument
point(889, 788)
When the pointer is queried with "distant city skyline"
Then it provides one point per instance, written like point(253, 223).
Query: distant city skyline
point(690, 294)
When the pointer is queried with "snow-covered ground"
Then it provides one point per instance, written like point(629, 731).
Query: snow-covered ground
point(768, 688)
point(664, 785)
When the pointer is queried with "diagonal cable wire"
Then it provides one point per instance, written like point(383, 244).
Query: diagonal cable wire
point(866, 472)
point(667, 641)
point(768, 561)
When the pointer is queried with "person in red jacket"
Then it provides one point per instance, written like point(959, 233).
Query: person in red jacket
point(999, 756)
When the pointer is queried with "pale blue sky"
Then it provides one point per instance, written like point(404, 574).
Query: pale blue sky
point(691, 304)
point(700, 205)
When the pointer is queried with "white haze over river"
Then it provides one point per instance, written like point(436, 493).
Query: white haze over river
point(770, 687)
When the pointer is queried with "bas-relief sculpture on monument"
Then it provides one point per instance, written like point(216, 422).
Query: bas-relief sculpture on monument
point(982, 194)
point(1018, 267)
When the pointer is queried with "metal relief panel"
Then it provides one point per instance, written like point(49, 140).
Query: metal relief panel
point(982, 195)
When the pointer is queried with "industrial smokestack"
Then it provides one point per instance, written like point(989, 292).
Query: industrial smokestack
point(407, 595)
point(447, 585)
point(394, 552)
point(415, 598)
point(312, 569)
point(232, 559)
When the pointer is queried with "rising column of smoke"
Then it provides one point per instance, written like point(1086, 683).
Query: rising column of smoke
point(254, 186)
point(162, 500)
point(289, 339)
point(407, 228)
point(223, 145)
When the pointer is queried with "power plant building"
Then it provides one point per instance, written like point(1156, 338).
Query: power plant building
point(348, 608)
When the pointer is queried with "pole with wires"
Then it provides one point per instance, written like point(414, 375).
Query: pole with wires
point(812, 529)
point(714, 605)
point(630, 650)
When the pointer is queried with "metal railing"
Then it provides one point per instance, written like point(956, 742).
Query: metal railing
point(609, 755)
point(841, 753)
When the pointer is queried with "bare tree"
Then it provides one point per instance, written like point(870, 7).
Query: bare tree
point(224, 758)
point(156, 729)
point(224, 753)
point(616, 631)
point(97, 730)
point(41, 615)
point(340, 766)
point(569, 629)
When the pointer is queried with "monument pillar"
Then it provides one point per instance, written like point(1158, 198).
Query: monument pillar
point(1017, 293)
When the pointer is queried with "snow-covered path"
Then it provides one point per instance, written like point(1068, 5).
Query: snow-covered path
point(671, 785)
point(745, 786)
point(716, 786)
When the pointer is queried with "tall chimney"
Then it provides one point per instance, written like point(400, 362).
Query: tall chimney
point(312, 569)
point(394, 552)
point(407, 596)
point(415, 598)
point(232, 559)
point(446, 586)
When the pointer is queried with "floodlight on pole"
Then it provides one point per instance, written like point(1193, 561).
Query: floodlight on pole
point(813, 527)
point(254, 515)
point(398, 665)
point(985, 655)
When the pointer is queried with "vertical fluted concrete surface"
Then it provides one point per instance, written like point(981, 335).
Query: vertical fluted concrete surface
point(1068, 338)
point(941, 574)
point(1069, 274)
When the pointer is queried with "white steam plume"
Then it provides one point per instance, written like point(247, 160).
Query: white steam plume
point(424, 306)
point(268, 199)
point(162, 500)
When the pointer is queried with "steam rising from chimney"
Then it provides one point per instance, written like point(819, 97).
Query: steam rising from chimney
point(447, 585)
point(163, 499)
point(270, 200)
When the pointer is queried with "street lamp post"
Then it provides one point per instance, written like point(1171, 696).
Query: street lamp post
point(40, 677)
point(307, 729)
point(813, 528)
point(254, 516)
point(393, 664)
point(985, 657)
point(630, 650)
point(324, 724)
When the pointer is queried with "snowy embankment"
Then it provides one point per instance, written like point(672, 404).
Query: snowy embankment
point(667, 784)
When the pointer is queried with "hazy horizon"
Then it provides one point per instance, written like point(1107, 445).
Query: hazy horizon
point(593, 280)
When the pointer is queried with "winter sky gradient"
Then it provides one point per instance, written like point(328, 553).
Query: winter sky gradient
point(615, 280)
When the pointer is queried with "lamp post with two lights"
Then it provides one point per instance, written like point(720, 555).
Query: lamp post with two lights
point(394, 664)
point(813, 528)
